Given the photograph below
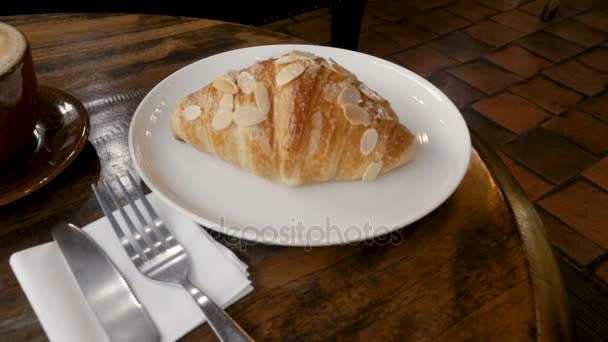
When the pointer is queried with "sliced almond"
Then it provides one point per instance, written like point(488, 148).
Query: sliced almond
point(372, 171)
point(340, 69)
point(289, 73)
point(226, 102)
point(246, 82)
point(369, 93)
point(225, 85)
point(331, 67)
point(327, 64)
point(191, 112)
point(261, 97)
point(369, 139)
point(231, 75)
point(355, 114)
point(284, 60)
point(302, 54)
point(247, 116)
point(222, 119)
point(349, 94)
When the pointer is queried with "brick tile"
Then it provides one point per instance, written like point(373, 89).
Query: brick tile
point(568, 240)
point(392, 10)
point(493, 134)
point(578, 77)
point(536, 8)
point(595, 19)
point(460, 46)
point(582, 5)
point(406, 34)
point(369, 21)
point(602, 271)
point(549, 46)
point(518, 60)
point(533, 185)
point(493, 33)
point(548, 154)
point(429, 4)
point(520, 21)
point(511, 111)
point(583, 207)
point(601, 5)
point(471, 10)
point(458, 91)
point(317, 30)
point(377, 44)
point(547, 94)
point(484, 76)
point(501, 5)
point(440, 21)
point(577, 33)
point(598, 173)
point(597, 106)
point(423, 60)
point(597, 58)
point(582, 129)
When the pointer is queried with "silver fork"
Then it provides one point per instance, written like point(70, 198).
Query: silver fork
point(159, 256)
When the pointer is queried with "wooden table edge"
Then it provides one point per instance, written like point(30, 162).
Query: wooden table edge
point(553, 318)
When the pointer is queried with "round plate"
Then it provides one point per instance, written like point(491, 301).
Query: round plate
point(60, 134)
point(227, 199)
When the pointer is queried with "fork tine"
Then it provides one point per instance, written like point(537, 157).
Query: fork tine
point(140, 244)
point(124, 241)
point(142, 197)
point(148, 235)
point(165, 236)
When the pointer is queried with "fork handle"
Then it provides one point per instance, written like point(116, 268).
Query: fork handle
point(226, 329)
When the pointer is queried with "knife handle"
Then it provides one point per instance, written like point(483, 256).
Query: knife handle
point(224, 327)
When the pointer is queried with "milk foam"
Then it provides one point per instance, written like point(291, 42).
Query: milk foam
point(12, 47)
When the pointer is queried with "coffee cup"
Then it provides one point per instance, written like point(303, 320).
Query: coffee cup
point(18, 94)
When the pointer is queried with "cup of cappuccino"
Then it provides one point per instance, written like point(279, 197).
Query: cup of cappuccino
point(18, 94)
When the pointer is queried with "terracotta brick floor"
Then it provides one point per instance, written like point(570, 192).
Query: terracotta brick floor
point(535, 91)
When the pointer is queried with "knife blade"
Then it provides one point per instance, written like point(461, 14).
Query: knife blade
point(107, 292)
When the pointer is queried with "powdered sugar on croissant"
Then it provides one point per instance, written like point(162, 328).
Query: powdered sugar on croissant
point(295, 119)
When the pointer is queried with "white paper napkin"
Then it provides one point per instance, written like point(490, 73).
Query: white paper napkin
point(65, 314)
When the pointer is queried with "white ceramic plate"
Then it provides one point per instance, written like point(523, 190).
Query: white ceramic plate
point(227, 199)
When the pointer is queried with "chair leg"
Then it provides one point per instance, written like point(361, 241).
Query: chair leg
point(346, 17)
point(550, 10)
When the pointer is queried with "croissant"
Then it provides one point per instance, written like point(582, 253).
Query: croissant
point(295, 119)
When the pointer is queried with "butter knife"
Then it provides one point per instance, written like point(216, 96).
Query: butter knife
point(118, 310)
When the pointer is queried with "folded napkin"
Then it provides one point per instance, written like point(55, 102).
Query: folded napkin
point(65, 315)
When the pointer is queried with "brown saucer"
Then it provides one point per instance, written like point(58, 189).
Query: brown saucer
point(61, 133)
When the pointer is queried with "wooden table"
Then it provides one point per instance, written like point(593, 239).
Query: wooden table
point(478, 268)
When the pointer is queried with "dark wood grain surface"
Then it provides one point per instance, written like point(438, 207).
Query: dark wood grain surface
point(476, 269)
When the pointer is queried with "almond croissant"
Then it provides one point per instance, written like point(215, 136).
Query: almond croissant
point(296, 119)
